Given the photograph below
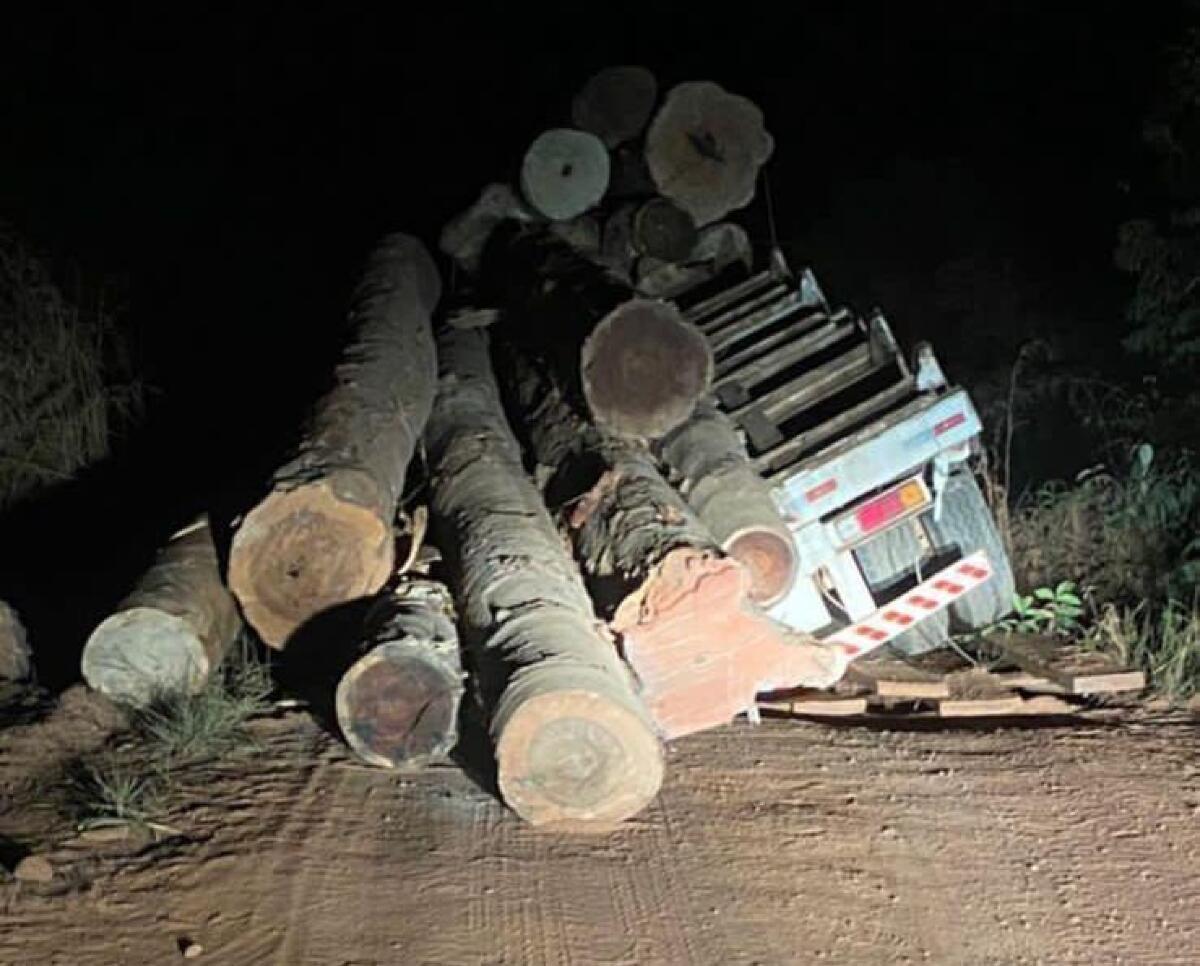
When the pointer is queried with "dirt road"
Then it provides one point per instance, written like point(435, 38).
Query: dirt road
point(784, 843)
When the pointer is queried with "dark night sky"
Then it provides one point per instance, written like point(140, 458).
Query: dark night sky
point(235, 166)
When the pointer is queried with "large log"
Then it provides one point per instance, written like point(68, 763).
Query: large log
point(704, 149)
point(709, 463)
point(574, 745)
point(14, 646)
point(564, 173)
point(682, 609)
point(616, 103)
point(638, 364)
point(398, 703)
point(172, 631)
point(323, 535)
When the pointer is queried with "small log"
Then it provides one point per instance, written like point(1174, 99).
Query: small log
point(574, 745)
point(465, 236)
point(638, 364)
point(397, 705)
point(719, 247)
point(616, 103)
point(564, 173)
point(323, 535)
point(710, 465)
point(172, 631)
point(681, 607)
point(15, 662)
point(664, 230)
point(704, 149)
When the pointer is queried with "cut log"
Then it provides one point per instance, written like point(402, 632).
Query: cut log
point(582, 234)
point(682, 608)
point(710, 465)
point(564, 173)
point(664, 230)
point(704, 149)
point(465, 236)
point(616, 103)
point(637, 364)
point(574, 745)
point(172, 631)
point(397, 705)
point(323, 535)
point(643, 369)
point(14, 646)
point(719, 247)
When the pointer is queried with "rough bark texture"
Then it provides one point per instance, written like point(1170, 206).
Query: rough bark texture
point(465, 236)
point(564, 173)
point(14, 646)
point(709, 463)
point(574, 745)
point(638, 364)
point(172, 631)
point(682, 609)
point(398, 704)
point(323, 535)
point(616, 103)
point(704, 149)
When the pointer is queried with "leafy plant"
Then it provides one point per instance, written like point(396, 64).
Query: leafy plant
point(1048, 610)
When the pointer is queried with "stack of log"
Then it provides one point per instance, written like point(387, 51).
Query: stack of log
point(610, 599)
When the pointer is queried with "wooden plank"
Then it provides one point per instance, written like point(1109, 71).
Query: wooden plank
point(895, 679)
point(1025, 681)
point(1077, 672)
point(818, 704)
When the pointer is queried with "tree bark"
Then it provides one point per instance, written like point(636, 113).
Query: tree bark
point(564, 173)
point(637, 364)
point(574, 745)
point(704, 149)
point(465, 236)
point(681, 608)
point(398, 704)
point(172, 631)
point(323, 535)
point(14, 646)
point(616, 103)
point(708, 459)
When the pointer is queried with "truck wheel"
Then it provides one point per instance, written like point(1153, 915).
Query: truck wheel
point(887, 559)
point(967, 523)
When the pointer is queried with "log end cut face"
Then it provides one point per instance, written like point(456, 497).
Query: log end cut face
point(138, 655)
point(644, 367)
point(770, 558)
point(577, 759)
point(564, 173)
point(397, 709)
point(302, 551)
point(705, 148)
point(616, 103)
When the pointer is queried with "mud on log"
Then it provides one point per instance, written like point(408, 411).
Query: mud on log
point(681, 608)
point(397, 705)
point(574, 745)
point(323, 535)
point(172, 631)
point(708, 459)
point(637, 364)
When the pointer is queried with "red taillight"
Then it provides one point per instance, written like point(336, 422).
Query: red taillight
point(878, 512)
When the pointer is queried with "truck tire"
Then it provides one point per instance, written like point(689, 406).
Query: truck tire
point(966, 523)
point(888, 558)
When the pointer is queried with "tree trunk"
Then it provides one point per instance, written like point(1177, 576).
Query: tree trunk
point(704, 149)
point(639, 365)
point(616, 103)
point(574, 745)
point(708, 458)
point(397, 705)
point(564, 173)
point(682, 609)
point(323, 535)
point(14, 646)
point(465, 236)
point(172, 631)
